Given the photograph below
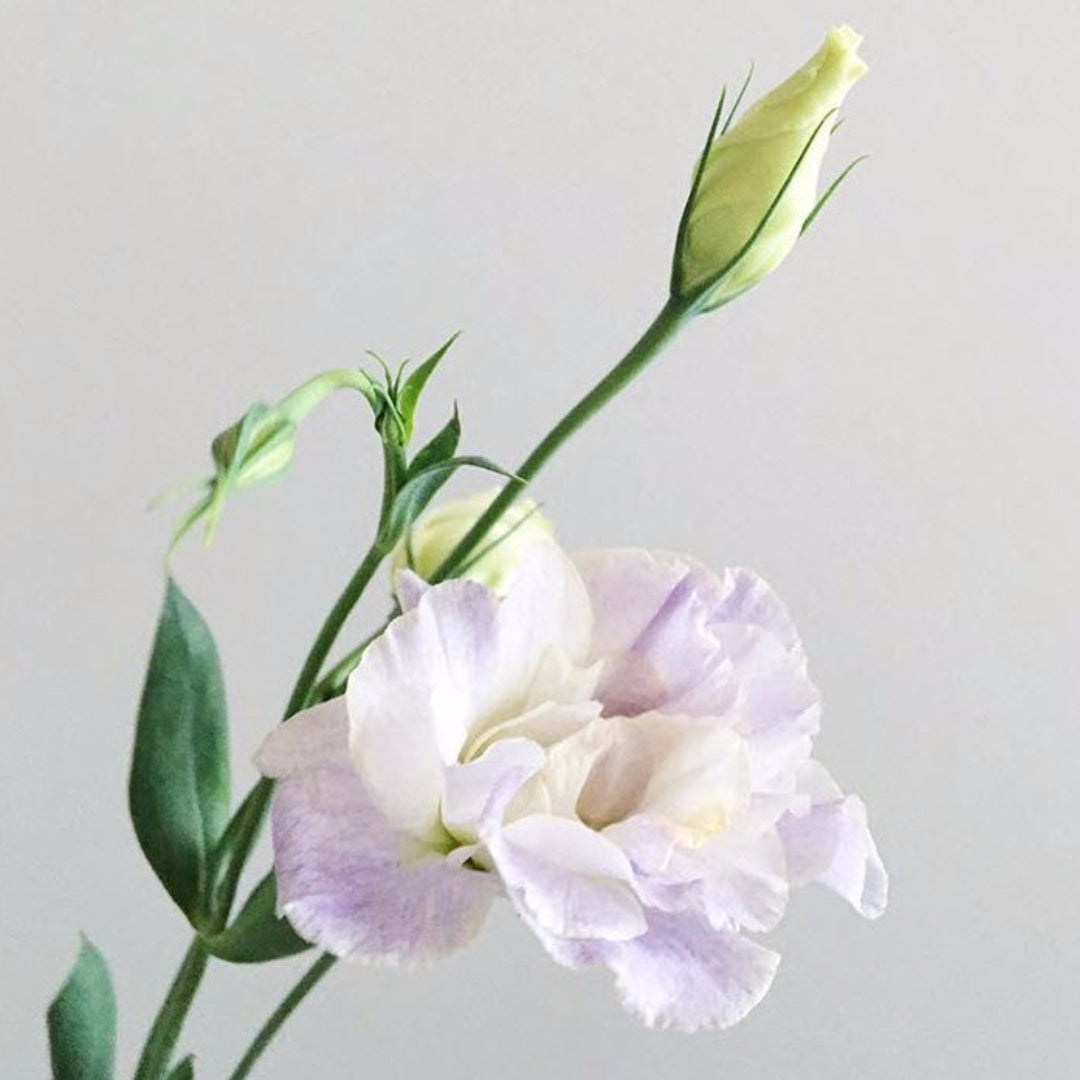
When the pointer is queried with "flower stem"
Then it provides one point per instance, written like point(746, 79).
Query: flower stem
point(672, 317)
point(166, 1030)
point(248, 820)
point(262, 1040)
point(243, 830)
point(246, 823)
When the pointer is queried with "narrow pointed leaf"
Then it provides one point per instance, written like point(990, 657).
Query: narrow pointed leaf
point(82, 1021)
point(413, 387)
point(185, 1070)
point(738, 100)
point(829, 192)
point(688, 206)
point(421, 488)
point(258, 934)
point(441, 448)
point(178, 791)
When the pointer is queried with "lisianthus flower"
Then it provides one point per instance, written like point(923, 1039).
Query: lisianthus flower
point(621, 745)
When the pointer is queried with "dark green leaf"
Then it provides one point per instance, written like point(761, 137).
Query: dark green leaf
point(410, 393)
point(179, 787)
point(82, 1021)
point(185, 1070)
point(441, 448)
point(420, 489)
point(257, 934)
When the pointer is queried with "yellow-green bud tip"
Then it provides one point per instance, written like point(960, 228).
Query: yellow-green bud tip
point(746, 168)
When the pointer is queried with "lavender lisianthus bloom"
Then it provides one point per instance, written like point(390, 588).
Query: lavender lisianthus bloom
point(621, 745)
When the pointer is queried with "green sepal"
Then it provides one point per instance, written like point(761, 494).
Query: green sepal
point(700, 302)
point(830, 191)
point(422, 487)
point(408, 395)
point(258, 934)
point(82, 1021)
point(441, 448)
point(178, 791)
point(185, 1070)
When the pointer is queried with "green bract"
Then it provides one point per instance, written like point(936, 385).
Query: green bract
point(756, 186)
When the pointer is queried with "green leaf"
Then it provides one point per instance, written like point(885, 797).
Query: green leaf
point(409, 395)
point(441, 448)
point(421, 488)
point(82, 1021)
point(178, 791)
point(185, 1070)
point(257, 934)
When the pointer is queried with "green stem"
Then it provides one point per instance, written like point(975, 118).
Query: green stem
point(247, 822)
point(307, 983)
point(161, 1041)
point(243, 829)
point(663, 328)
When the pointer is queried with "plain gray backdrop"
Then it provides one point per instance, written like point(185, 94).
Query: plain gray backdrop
point(201, 204)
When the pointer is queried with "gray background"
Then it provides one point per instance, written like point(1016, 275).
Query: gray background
point(201, 204)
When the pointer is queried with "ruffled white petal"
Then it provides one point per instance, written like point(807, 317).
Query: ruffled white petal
point(569, 880)
point(415, 695)
point(474, 791)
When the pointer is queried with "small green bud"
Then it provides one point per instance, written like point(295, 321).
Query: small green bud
point(733, 235)
point(258, 448)
point(437, 533)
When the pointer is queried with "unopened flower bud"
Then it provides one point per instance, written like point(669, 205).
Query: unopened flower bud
point(757, 184)
point(437, 533)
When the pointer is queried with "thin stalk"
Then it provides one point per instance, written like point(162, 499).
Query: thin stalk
point(663, 328)
point(161, 1041)
point(262, 1040)
point(248, 820)
point(243, 829)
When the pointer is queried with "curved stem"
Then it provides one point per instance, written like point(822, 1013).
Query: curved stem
point(161, 1041)
point(307, 983)
point(673, 315)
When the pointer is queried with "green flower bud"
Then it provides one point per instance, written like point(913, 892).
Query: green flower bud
point(756, 187)
point(258, 448)
point(437, 533)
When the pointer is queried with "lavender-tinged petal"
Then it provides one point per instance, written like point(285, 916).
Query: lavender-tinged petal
point(409, 588)
point(830, 843)
point(569, 880)
point(627, 586)
point(347, 883)
point(684, 974)
point(749, 600)
point(745, 884)
point(315, 737)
